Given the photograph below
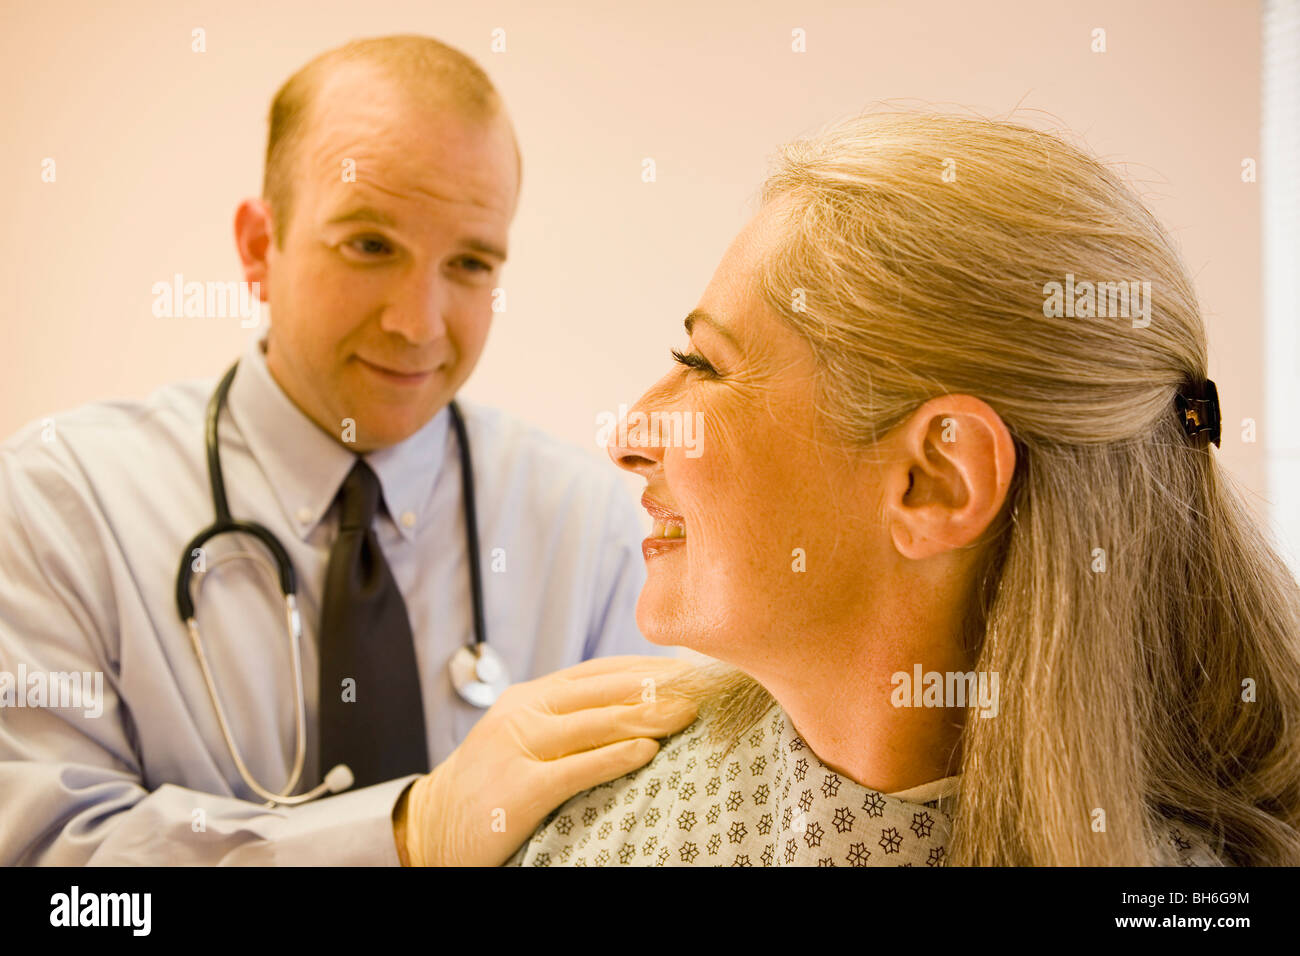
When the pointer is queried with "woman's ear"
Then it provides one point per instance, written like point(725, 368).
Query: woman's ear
point(950, 466)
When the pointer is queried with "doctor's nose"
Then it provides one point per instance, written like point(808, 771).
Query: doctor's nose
point(416, 311)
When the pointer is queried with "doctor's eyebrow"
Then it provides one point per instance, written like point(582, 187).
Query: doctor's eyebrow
point(364, 214)
point(479, 245)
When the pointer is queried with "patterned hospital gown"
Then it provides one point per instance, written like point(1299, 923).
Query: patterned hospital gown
point(768, 802)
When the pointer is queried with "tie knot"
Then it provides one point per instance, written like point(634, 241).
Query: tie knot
point(358, 498)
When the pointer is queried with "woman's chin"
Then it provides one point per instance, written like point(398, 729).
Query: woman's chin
point(660, 619)
point(671, 622)
point(654, 629)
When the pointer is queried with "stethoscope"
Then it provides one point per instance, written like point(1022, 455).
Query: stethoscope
point(477, 671)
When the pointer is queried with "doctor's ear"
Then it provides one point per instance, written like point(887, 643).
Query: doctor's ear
point(254, 234)
point(951, 464)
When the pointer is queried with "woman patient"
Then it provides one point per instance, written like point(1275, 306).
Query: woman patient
point(983, 594)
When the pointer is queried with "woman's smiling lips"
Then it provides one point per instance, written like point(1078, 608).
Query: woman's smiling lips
point(396, 376)
point(669, 528)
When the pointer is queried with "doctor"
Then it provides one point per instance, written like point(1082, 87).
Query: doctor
point(187, 742)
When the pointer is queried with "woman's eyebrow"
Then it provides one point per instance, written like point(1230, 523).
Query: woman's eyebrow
point(710, 321)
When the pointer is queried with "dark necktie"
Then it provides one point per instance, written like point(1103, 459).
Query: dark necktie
point(375, 724)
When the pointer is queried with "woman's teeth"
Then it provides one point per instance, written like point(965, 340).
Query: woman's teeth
point(668, 529)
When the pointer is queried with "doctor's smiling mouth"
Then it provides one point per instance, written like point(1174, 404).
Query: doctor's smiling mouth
point(392, 373)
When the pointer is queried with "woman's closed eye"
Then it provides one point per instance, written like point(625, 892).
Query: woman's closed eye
point(696, 361)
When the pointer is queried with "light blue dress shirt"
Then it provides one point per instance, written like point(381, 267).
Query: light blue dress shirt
point(96, 507)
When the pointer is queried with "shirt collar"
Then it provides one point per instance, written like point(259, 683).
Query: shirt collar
point(305, 466)
point(942, 788)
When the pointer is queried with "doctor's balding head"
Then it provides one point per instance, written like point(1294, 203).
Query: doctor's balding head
point(392, 176)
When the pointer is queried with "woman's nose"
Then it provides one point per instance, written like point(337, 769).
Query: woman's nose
point(629, 446)
point(636, 444)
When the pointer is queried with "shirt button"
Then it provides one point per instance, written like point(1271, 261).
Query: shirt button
point(304, 515)
point(408, 519)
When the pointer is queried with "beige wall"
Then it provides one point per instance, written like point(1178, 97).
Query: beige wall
point(155, 145)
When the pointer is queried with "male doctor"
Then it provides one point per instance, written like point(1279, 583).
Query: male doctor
point(392, 176)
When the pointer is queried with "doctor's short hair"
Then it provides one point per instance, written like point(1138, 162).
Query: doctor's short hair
point(430, 71)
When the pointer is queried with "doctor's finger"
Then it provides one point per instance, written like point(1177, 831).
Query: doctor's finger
point(582, 771)
point(597, 666)
point(640, 684)
point(566, 734)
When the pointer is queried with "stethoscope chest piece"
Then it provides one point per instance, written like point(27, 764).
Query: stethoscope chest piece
point(479, 674)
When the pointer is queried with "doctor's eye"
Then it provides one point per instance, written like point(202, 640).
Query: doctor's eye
point(473, 264)
point(369, 247)
point(696, 361)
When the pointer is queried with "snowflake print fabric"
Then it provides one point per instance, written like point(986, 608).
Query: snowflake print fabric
point(768, 802)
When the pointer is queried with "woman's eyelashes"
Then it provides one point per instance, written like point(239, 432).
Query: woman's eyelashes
point(696, 361)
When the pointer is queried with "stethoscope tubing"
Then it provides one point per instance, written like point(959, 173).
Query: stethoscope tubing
point(340, 777)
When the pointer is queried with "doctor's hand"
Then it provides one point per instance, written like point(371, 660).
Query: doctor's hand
point(542, 742)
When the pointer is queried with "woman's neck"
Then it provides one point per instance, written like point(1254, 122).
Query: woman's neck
point(852, 698)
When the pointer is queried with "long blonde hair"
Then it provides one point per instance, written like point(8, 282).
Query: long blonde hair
point(917, 253)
